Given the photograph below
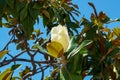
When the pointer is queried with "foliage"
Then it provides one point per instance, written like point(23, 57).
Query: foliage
point(93, 51)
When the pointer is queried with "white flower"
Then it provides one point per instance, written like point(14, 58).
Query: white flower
point(60, 41)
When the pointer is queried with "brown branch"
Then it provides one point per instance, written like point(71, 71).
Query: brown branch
point(22, 60)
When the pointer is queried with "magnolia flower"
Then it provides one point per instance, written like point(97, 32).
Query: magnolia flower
point(60, 41)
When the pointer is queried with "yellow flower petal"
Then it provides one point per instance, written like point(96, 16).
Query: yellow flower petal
point(3, 53)
point(55, 49)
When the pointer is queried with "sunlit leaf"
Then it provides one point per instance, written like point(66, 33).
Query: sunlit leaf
point(111, 36)
point(2, 53)
point(116, 31)
point(7, 25)
point(6, 75)
point(116, 42)
point(105, 30)
point(81, 46)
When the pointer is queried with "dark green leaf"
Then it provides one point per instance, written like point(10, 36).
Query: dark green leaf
point(91, 33)
point(45, 21)
point(20, 6)
point(14, 67)
point(66, 75)
point(24, 13)
point(28, 25)
point(33, 12)
point(10, 3)
point(37, 6)
point(72, 25)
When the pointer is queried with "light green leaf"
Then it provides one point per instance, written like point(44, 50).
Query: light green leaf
point(37, 46)
point(81, 46)
point(64, 74)
point(72, 44)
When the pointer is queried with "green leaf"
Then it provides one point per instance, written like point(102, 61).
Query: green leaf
point(10, 3)
point(7, 25)
point(72, 25)
point(15, 78)
point(73, 44)
point(37, 46)
point(66, 75)
point(91, 33)
point(28, 26)
point(2, 53)
point(14, 67)
point(20, 6)
point(77, 62)
point(24, 12)
point(81, 46)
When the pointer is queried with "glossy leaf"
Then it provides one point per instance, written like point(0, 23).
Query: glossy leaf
point(14, 67)
point(6, 75)
point(82, 45)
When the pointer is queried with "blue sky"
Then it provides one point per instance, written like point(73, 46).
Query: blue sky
point(110, 7)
